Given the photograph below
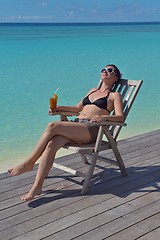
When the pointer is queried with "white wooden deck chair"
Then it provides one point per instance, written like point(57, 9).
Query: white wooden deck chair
point(111, 130)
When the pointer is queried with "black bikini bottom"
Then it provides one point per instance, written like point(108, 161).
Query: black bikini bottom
point(92, 128)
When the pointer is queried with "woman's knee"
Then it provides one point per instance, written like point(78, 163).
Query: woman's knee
point(52, 125)
point(57, 142)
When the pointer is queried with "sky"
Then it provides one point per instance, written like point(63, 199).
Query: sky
point(58, 11)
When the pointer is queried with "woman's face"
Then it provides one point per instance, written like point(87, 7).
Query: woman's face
point(109, 73)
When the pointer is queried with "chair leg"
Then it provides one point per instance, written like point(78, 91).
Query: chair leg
point(84, 158)
point(89, 174)
point(116, 152)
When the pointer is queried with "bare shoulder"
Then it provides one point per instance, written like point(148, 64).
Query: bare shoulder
point(92, 89)
point(115, 95)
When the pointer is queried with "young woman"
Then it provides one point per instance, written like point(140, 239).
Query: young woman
point(96, 106)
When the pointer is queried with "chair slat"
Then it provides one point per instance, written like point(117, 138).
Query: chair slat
point(128, 95)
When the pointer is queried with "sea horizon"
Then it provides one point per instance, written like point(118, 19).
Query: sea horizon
point(81, 23)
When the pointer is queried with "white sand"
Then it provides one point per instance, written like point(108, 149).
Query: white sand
point(7, 164)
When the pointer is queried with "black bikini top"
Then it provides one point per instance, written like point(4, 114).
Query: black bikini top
point(101, 102)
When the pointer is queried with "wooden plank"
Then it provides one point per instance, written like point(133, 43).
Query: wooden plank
point(22, 190)
point(110, 221)
point(147, 163)
point(121, 223)
point(144, 135)
point(153, 235)
point(140, 228)
point(107, 215)
point(108, 178)
point(63, 212)
point(40, 221)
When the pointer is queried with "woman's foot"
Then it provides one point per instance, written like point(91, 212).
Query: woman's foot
point(22, 168)
point(31, 194)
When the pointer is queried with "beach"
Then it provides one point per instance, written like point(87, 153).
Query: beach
point(36, 59)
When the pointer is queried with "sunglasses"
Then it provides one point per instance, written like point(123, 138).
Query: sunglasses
point(108, 70)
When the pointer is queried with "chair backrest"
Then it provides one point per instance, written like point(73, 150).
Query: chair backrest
point(128, 89)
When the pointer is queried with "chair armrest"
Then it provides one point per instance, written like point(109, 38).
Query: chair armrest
point(105, 123)
point(110, 123)
point(63, 113)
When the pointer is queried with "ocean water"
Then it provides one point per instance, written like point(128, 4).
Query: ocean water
point(36, 59)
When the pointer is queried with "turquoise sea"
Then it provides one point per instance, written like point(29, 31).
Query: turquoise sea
point(36, 59)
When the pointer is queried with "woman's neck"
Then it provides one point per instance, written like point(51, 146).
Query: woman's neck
point(105, 87)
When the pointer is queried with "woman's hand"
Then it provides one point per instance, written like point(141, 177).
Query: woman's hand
point(58, 109)
point(97, 118)
point(51, 111)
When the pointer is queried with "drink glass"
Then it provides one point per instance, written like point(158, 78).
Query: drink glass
point(53, 102)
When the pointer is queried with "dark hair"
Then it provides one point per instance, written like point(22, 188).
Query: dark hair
point(117, 71)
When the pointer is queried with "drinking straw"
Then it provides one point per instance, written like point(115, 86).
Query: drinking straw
point(56, 90)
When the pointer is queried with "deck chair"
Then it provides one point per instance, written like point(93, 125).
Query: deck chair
point(107, 135)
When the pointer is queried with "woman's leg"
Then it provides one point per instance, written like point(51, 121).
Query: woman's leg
point(76, 132)
point(45, 165)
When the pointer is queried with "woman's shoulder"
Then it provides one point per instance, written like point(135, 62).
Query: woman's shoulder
point(115, 95)
point(92, 90)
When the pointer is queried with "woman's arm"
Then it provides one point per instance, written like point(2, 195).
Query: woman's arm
point(118, 108)
point(75, 109)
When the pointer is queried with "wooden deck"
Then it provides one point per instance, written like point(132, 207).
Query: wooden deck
point(115, 208)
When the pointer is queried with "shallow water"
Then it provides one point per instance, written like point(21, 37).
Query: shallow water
point(37, 59)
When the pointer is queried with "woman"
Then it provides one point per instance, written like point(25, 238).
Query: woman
point(95, 107)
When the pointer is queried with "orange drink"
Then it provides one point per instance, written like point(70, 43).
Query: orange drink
point(53, 102)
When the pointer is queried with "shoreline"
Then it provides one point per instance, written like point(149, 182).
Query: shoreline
point(7, 164)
